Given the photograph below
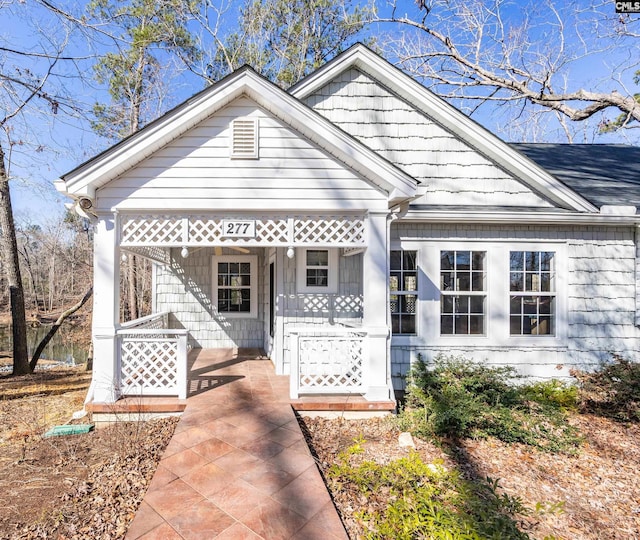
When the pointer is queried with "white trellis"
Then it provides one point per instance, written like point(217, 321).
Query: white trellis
point(346, 231)
point(328, 361)
point(152, 359)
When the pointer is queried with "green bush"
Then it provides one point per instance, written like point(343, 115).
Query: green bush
point(408, 499)
point(457, 398)
point(612, 391)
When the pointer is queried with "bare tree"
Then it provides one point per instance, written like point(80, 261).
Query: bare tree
point(500, 52)
point(25, 94)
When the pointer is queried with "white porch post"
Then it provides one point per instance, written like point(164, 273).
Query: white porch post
point(106, 301)
point(375, 306)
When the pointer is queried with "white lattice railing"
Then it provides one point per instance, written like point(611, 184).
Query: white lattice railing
point(137, 230)
point(152, 360)
point(328, 360)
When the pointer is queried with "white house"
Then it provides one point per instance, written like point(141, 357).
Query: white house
point(349, 224)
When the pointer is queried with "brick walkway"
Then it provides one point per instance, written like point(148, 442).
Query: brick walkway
point(237, 466)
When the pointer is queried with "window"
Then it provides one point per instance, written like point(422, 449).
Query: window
point(463, 297)
point(533, 292)
point(403, 286)
point(234, 285)
point(317, 270)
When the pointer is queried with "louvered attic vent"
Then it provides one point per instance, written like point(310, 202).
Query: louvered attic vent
point(244, 138)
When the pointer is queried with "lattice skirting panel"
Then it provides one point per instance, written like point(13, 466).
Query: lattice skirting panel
point(148, 366)
point(331, 364)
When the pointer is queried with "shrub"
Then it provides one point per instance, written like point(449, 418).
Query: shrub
point(612, 391)
point(458, 398)
point(409, 499)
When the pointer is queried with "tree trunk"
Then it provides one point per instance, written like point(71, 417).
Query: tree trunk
point(14, 280)
point(46, 339)
point(133, 288)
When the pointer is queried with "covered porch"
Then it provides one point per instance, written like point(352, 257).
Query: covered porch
point(322, 344)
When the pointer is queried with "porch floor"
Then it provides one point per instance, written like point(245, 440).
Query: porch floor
point(237, 466)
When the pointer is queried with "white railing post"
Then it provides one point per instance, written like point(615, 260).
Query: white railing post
point(294, 354)
point(183, 382)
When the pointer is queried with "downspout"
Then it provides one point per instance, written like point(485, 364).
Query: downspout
point(395, 213)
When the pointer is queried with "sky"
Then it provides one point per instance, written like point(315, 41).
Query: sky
point(52, 145)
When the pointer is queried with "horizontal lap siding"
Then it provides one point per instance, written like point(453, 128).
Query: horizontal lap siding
point(195, 171)
point(600, 299)
point(444, 165)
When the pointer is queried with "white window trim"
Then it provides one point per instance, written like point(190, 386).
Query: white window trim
point(301, 274)
point(253, 261)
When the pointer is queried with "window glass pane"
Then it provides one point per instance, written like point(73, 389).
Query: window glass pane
point(516, 282)
point(516, 260)
point(476, 324)
point(234, 268)
point(463, 283)
point(478, 260)
point(514, 327)
point(393, 282)
point(245, 268)
point(516, 305)
point(546, 261)
point(446, 281)
point(395, 324)
point(477, 281)
point(545, 282)
point(407, 325)
point(410, 282)
point(446, 303)
point(446, 324)
point(476, 304)
point(532, 260)
point(394, 303)
point(409, 260)
point(396, 260)
point(461, 324)
point(446, 260)
point(316, 257)
point(463, 260)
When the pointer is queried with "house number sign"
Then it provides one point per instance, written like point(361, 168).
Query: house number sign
point(233, 228)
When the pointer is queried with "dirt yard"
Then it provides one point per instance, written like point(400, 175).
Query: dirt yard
point(89, 486)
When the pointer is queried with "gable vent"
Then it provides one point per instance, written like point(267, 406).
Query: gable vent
point(244, 138)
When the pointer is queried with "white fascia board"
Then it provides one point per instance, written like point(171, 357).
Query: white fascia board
point(503, 217)
point(450, 118)
point(130, 152)
point(153, 137)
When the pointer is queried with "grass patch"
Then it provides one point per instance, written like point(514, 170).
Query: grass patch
point(408, 498)
point(457, 398)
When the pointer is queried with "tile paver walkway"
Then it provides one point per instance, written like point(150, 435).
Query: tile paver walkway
point(237, 466)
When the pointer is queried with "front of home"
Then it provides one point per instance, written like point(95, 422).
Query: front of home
point(346, 227)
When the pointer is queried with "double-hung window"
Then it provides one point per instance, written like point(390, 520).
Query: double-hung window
point(235, 285)
point(403, 287)
point(532, 286)
point(463, 292)
point(317, 270)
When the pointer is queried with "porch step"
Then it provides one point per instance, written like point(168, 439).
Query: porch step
point(139, 405)
point(341, 404)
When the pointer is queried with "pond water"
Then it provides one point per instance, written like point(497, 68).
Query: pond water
point(58, 349)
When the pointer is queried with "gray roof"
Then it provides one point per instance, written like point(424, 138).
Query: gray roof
point(601, 173)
